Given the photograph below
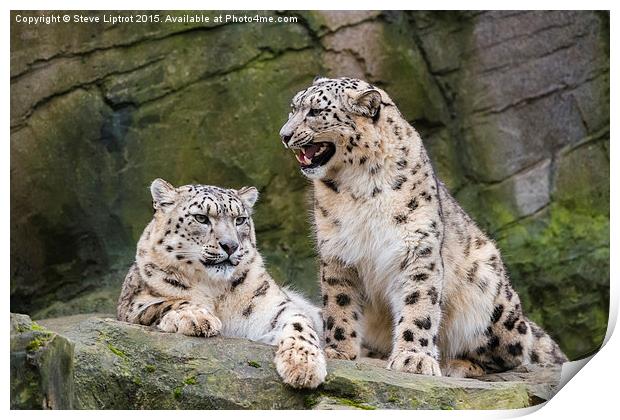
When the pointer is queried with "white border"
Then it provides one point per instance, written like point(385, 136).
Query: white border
point(591, 394)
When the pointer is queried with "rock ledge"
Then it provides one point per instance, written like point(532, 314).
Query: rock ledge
point(95, 362)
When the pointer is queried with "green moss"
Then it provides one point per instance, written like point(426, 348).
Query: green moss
point(38, 342)
point(116, 351)
point(36, 327)
point(190, 380)
point(356, 404)
point(33, 326)
point(177, 392)
point(311, 400)
point(150, 368)
point(253, 363)
point(559, 264)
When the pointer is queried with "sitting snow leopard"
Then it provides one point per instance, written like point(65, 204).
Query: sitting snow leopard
point(198, 273)
point(404, 271)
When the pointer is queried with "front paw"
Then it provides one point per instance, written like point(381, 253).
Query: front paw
point(337, 353)
point(411, 362)
point(193, 321)
point(300, 364)
point(458, 368)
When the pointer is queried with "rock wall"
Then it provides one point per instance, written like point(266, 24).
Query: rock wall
point(513, 107)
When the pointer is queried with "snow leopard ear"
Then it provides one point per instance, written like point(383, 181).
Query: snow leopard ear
point(317, 79)
point(248, 196)
point(367, 103)
point(163, 193)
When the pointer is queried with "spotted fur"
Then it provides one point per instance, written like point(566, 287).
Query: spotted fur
point(404, 271)
point(198, 272)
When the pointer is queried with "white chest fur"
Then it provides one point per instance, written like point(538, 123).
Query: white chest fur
point(359, 233)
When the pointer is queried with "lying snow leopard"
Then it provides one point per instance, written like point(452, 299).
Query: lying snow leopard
point(404, 270)
point(198, 272)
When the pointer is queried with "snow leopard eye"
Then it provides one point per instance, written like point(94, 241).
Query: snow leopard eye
point(314, 112)
point(240, 220)
point(201, 218)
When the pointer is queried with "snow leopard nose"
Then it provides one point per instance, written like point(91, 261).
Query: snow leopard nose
point(285, 135)
point(229, 247)
point(285, 139)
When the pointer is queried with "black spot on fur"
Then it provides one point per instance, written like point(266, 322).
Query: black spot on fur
point(239, 280)
point(419, 276)
point(330, 323)
point(332, 281)
point(515, 349)
point(331, 184)
point(339, 334)
point(534, 357)
point(522, 327)
point(262, 289)
point(423, 323)
point(400, 219)
point(343, 300)
point(412, 298)
point(471, 273)
point(493, 342)
point(175, 283)
point(558, 357)
point(510, 321)
point(497, 313)
point(398, 182)
point(407, 335)
point(325, 297)
point(413, 204)
point(538, 333)
point(432, 293)
point(248, 311)
point(501, 363)
point(274, 321)
point(297, 326)
point(423, 342)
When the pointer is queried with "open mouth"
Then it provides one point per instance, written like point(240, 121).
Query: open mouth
point(315, 154)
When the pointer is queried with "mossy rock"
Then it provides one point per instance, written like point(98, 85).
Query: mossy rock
point(123, 366)
point(41, 367)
